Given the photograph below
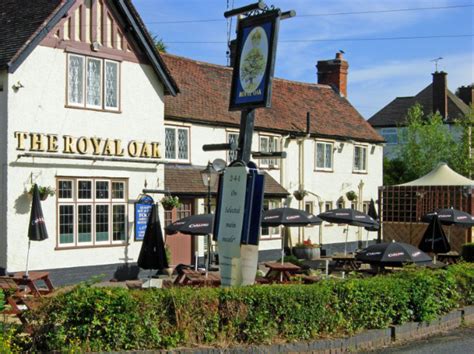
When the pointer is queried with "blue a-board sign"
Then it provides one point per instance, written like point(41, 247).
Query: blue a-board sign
point(255, 61)
point(142, 214)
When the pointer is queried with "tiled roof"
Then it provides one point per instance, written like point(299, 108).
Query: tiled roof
point(204, 98)
point(186, 180)
point(394, 114)
point(19, 20)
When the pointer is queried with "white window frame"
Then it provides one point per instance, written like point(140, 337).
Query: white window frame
point(327, 145)
point(229, 133)
point(75, 104)
point(110, 202)
point(273, 231)
point(176, 129)
point(273, 143)
point(84, 104)
point(355, 167)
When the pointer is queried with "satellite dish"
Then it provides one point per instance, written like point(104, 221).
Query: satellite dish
point(218, 164)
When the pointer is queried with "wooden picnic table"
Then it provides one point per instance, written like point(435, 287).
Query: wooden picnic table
point(448, 258)
point(346, 262)
point(281, 271)
point(31, 282)
point(197, 278)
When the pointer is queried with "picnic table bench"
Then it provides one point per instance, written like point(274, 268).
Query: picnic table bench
point(346, 262)
point(281, 272)
point(197, 278)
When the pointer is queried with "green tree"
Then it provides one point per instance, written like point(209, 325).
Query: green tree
point(159, 44)
point(253, 65)
point(427, 141)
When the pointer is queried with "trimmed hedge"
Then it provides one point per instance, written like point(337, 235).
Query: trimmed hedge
point(106, 319)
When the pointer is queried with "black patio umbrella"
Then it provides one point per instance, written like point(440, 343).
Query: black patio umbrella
point(392, 254)
point(350, 217)
point(153, 254)
point(372, 212)
point(288, 217)
point(195, 225)
point(451, 217)
point(192, 225)
point(434, 240)
point(37, 227)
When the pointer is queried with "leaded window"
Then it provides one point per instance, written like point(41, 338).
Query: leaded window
point(269, 144)
point(177, 144)
point(360, 158)
point(93, 83)
point(76, 80)
point(324, 153)
point(269, 232)
point(232, 138)
point(111, 85)
point(91, 211)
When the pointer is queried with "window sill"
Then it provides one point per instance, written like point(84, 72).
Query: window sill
point(360, 172)
point(69, 248)
point(93, 109)
point(324, 170)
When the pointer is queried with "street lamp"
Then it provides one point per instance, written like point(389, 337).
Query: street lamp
point(209, 179)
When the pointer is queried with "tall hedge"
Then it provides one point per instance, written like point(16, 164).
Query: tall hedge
point(106, 319)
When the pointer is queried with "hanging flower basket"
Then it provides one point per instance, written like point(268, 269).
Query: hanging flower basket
point(300, 194)
point(351, 195)
point(169, 202)
point(44, 191)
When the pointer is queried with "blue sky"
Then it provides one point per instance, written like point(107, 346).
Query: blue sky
point(379, 70)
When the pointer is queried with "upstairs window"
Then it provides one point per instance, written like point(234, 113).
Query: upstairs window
point(177, 144)
point(232, 138)
point(269, 144)
point(390, 135)
point(93, 83)
point(324, 153)
point(360, 158)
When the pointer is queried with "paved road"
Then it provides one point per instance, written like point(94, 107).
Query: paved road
point(460, 341)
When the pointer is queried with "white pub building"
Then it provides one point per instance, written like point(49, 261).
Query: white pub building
point(89, 108)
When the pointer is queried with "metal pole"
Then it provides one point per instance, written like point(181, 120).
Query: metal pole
point(208, 236)
point(245, 135)
point(27, 258)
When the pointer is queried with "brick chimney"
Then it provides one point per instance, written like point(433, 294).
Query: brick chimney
point(440, 93)
point(466, 94)
point(334, 73)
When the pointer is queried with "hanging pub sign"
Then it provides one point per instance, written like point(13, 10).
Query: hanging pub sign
point(143, 207)
point(254, 61)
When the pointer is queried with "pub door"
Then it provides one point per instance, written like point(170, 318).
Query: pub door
point(180, 245)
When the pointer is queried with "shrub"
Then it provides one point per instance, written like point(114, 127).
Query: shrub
point(468, 252)
point(107, 319)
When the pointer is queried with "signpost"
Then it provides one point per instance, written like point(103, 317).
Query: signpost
point(142, 213)
point(241, 186)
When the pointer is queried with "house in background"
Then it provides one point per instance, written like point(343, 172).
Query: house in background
point(338, 152)
point(436, 97)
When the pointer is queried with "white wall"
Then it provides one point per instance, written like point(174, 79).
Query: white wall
point(40, 107)
point(329, 186)
point(3, 166)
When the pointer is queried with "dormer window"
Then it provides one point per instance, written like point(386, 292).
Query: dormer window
point(93, 83)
